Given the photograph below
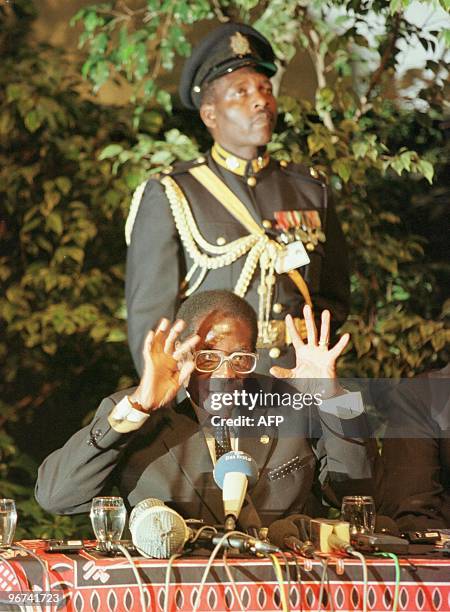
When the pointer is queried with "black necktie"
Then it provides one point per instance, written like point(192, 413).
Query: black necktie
point(222, 441)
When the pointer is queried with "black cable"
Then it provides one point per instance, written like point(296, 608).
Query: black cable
point(299, 578)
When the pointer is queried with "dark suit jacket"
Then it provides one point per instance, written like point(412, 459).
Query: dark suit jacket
point(157, 262)
point(415, 486)
point(168, 459)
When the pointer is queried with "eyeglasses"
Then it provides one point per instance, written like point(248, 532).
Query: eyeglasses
point(210, 361)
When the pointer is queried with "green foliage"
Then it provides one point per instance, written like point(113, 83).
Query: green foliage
point(138, 55)
point(62, 268)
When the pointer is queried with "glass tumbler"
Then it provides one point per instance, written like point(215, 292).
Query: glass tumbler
point(108, 516)
point(8, 521)
point(359, 511)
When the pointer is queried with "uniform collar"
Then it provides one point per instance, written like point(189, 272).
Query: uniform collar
point(237, 165)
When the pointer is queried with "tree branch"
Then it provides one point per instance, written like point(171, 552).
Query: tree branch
point(320, 68)
point(376, 76)
point(220, 14)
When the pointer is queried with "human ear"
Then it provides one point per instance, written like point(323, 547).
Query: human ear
point(208, 115)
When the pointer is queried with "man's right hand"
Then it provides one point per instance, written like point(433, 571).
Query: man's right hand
point(166, 368)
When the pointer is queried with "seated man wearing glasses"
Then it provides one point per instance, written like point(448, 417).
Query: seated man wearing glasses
point(148, 445)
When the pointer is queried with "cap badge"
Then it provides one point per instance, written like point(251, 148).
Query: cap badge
point(240, 44)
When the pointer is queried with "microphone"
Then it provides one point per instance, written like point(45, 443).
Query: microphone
point(284, 534)
point(157, 530)
point(233, 473)
point(160, 532)
point(243, 543)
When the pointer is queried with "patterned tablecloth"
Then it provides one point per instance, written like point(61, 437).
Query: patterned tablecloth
point(92, 582)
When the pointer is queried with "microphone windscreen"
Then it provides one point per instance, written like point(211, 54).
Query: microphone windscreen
point(149, 502)
point(157, 530)
point(280, 530)
point(236, 461)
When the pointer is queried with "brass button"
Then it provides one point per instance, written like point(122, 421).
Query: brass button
point(283, 163)
point(314, 173)
point(310, 246)
point(274, 352)
point(251, 181)
point(200, 160)
point(277, 308)
point(220, 241)
point(267, 224)
point(264, 439)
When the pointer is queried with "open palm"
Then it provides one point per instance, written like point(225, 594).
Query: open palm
point(313, 358)
point(165, 368)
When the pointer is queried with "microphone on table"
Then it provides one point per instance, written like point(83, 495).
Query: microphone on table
point(234, 472)
point(285, 534)
point(157, 530)
point(241, 542)
point(160, 532)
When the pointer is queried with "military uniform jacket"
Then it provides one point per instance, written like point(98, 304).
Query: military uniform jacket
point(168, 458)
point(157, 261)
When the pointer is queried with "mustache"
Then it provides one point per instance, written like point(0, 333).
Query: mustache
point(265, 112)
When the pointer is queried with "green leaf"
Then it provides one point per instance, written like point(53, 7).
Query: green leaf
point(343, 168)
point(111, 150)
point(64, 184)
point(54, 223)
point(116, 335)
point(33, 120)
point(426, 169)
point(315, 143)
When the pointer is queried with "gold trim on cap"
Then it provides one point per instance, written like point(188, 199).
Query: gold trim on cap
point(240, 44)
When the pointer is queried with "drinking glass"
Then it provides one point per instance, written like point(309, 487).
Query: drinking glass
point(359, 511)
point(8, 521)
point(108, 516)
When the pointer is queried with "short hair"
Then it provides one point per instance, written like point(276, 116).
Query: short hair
point(208, 94)
point(197, 306)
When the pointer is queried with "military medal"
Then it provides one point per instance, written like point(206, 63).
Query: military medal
point(299, 226)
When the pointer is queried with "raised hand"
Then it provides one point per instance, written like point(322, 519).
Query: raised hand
point(166, 368)
point(313, 359)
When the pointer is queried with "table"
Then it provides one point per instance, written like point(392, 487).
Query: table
point(92, 582)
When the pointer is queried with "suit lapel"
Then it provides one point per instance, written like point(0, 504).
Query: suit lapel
point(187, 446)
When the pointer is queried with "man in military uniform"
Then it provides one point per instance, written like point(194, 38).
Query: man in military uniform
point(235, 219)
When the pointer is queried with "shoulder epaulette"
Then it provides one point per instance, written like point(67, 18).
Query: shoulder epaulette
point(178, 168)
point(183, 167)
point(303, 172)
